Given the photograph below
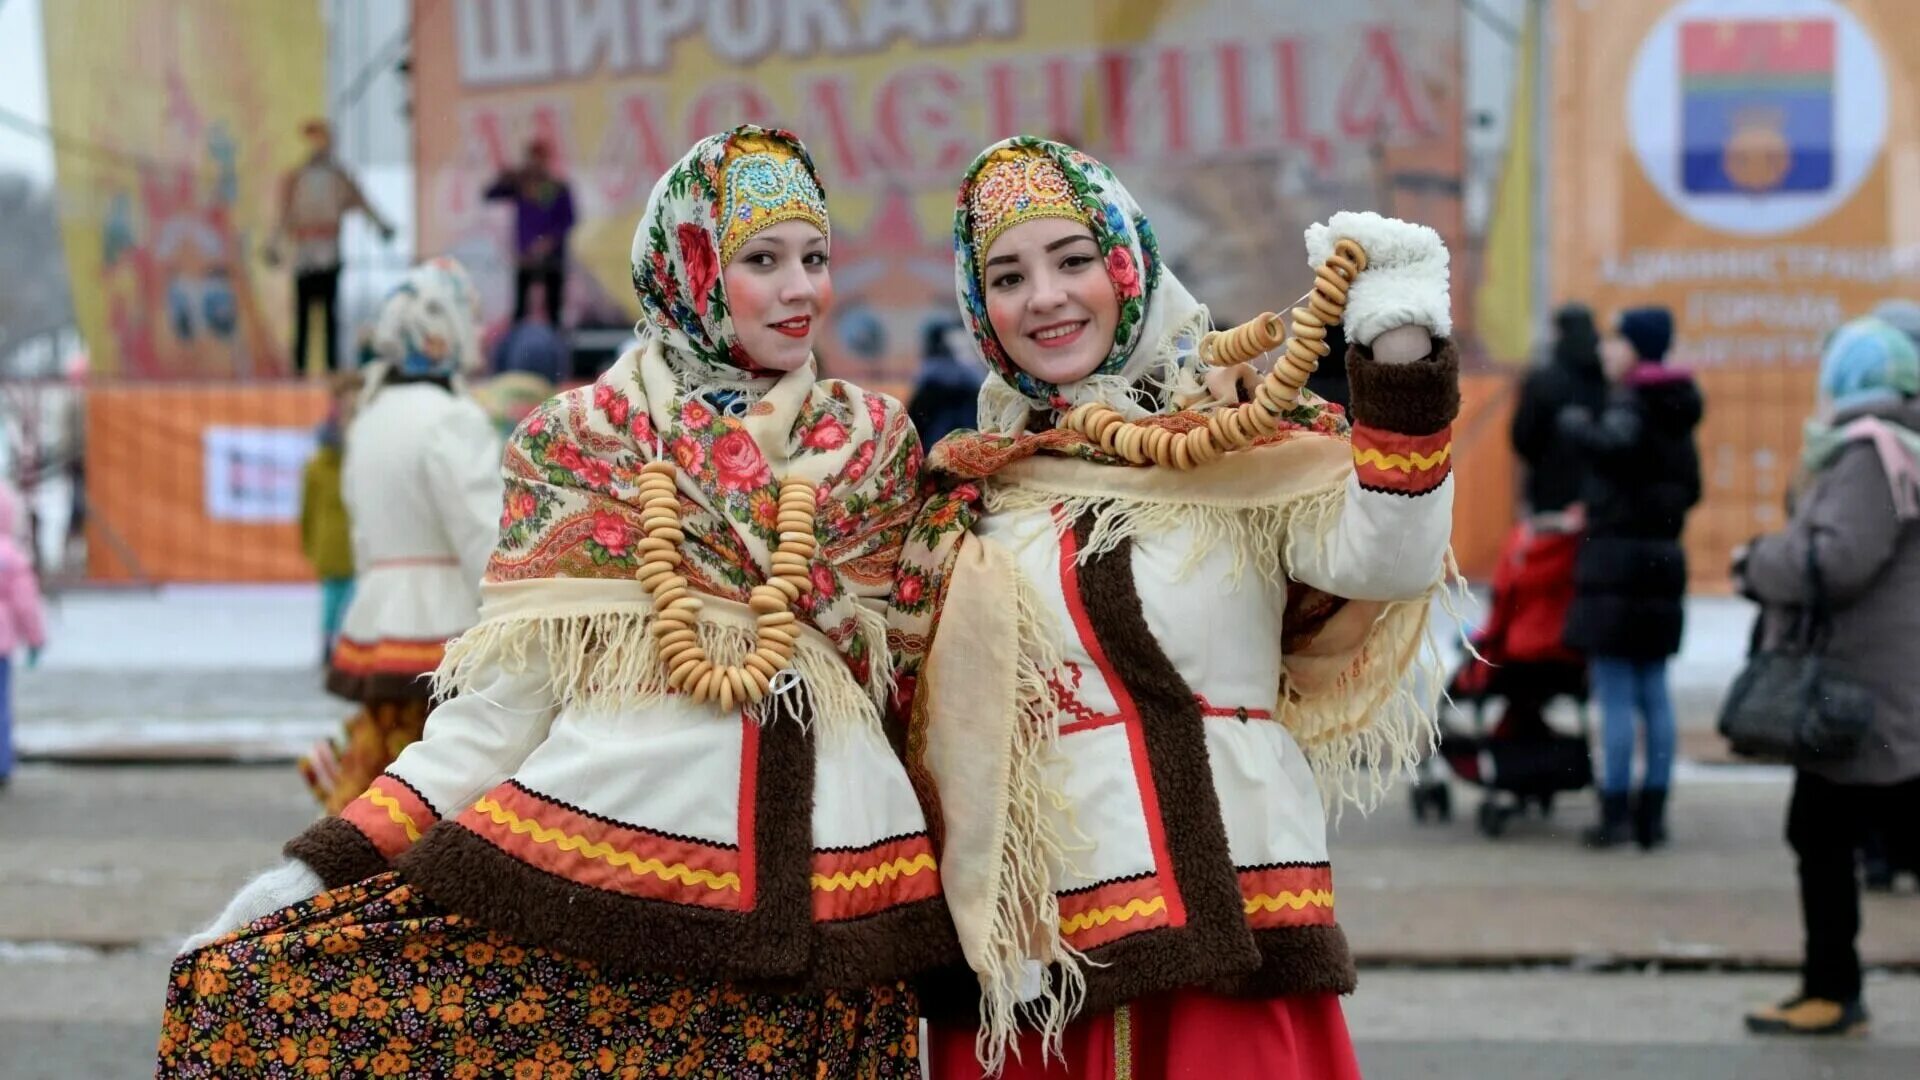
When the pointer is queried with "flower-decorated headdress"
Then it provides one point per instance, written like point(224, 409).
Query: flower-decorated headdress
point(1157, 336)
point(764, 181)
point(429, 325)
point(728, 188)
point(1017, 184)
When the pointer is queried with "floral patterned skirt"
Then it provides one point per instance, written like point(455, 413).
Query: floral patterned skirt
point(338, 770)
point(376, 980)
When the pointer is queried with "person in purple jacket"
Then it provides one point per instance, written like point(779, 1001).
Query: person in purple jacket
point(543, 212)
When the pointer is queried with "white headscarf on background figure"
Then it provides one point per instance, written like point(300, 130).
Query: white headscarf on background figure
point(428, 326)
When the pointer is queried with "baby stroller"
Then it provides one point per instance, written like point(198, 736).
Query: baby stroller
point(1521, 761)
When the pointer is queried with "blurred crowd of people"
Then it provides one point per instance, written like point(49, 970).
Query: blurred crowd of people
point(1606, 430)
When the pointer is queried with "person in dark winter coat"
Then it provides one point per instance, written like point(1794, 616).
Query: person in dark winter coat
point(1857, 519)
point(1630, 580)
point(536, 348)
point(1556, 468)
point(1881, 865)
point(946, 397)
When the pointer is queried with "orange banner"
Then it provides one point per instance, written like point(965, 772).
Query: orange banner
point(1483, 472)
point(198, 483)
point(1755, 166)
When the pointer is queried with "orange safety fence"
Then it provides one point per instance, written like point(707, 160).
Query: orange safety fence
point(201, 483)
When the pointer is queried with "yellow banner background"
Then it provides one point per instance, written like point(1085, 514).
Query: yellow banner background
point(1235, 122)
point(181, 117)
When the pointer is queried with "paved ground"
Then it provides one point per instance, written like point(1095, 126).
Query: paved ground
point(1722, 895)
point(1544, 1025)
point(103, 867)
point(1526, 957)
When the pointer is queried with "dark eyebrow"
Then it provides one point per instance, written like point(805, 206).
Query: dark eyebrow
point(1055, 246)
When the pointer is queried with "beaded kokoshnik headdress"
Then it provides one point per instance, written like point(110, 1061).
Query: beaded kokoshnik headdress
point(1018, 184)
point(763, 183)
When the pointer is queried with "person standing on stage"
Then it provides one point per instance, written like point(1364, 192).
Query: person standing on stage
point(314, 199)
point(543, 216)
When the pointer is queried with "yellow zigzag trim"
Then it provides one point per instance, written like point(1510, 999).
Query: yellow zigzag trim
point(395, 812)
point(1134, 909)
point(593, 849)
point(1417, 462)
point(1296, 901)
point(866, 879)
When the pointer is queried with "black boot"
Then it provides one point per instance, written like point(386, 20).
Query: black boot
point(1615, 822)
point(1650, 819)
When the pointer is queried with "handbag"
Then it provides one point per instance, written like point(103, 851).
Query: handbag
point(1785, 704)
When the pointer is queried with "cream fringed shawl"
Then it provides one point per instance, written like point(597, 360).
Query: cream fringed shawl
point(983, 724)
point(560, 584)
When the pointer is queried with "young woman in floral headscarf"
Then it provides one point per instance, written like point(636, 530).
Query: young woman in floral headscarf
point(621, 846)
point(1129, 688)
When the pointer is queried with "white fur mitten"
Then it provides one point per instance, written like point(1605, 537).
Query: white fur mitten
point(1405, 282)
point(282, 886)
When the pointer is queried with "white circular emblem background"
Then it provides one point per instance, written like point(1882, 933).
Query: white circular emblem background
point(1860, 117)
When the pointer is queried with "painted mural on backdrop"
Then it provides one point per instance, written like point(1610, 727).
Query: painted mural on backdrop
point(1755, 166)
point(1238, 122)
point(182, 116)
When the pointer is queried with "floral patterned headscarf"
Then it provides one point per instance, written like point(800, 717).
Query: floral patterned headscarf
point(726, 189)
point(571, 507)
point(1158, 332)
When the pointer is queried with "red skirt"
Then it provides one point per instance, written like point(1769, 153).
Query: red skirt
point(1176, 1036)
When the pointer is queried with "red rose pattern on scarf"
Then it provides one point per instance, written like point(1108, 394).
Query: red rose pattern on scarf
point(572, 468)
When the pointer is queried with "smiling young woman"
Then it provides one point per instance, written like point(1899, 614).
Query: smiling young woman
point(656, 824)
point(1049, 298)
point(1126, 679)
point(780, 288)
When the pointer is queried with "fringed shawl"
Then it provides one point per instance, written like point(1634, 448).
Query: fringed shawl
point(561, 577)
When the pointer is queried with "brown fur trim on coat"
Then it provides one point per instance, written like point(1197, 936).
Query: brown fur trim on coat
point(338, 852)
point(894, 944)
point(774, 946)
point(1298, 960)
point(1216, 942)
point(374, 689)
point(459, 870)
point(1408, 399)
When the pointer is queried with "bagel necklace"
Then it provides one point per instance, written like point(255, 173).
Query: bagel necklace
point(676, 610)
point(1238, 427)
